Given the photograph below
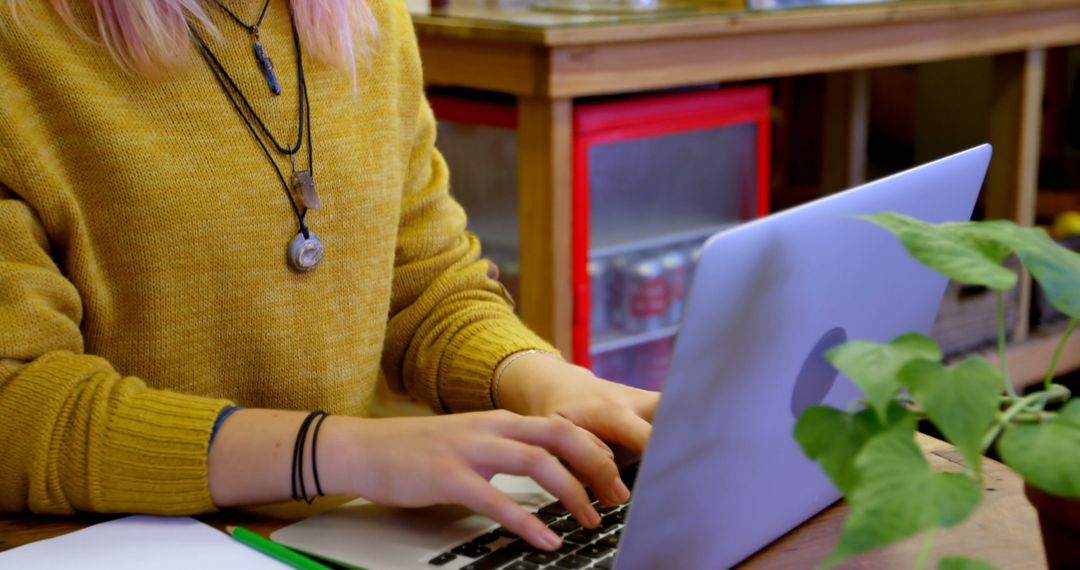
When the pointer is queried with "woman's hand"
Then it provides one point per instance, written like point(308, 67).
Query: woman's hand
point(414, 462)
point(538, 384)
point(558, 416)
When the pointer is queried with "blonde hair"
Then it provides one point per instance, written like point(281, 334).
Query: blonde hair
point(151, 37)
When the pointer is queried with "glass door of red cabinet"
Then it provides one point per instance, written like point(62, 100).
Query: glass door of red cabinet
point(654, 176)
point(477, 136)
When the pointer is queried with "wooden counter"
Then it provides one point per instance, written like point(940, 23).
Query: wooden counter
point(1004, 530)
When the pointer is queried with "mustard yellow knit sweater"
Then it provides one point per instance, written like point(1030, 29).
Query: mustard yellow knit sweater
point(143, 277)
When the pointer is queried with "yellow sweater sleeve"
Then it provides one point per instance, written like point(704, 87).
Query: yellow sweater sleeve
point(76, 434)
point(451, 323)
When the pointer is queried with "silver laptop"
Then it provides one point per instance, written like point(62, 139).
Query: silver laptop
point(723, 475)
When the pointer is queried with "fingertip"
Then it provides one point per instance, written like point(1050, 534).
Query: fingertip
point(621, 491)
point(593, 516)
point(547, 539)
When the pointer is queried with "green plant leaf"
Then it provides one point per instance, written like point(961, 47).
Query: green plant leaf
point(1056, 268)
point(961, 401)
point(873, 366)
point(833, 438)
point(899, 495)
point(969, 254)
point(961, 563)
point(989, 238)
point(1047, 455)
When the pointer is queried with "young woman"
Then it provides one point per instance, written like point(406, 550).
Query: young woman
point(219, 215)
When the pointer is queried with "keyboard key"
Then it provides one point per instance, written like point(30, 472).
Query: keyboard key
point(613, 519)
point(486, 538)
point(564, 525)
point(595, 531)
point(522, 565)
point(506, 532)
point(593, 551)
point(471, 550)
point(491, 561)
point(519, 545)
point(573, 561)
point(579, 537)
point(542, 557)
point(605, 564)
point(611, 540)
point(545, 517)
point(441, 559)
point(555, 508)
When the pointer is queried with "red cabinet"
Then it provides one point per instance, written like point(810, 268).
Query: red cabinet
point(653, 177)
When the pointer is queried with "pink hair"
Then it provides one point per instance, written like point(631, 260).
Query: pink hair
point(151, 37)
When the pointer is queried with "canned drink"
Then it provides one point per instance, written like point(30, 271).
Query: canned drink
point(599, 303)
point(617, 268)
point(676, 266)
point(646, 296)
point(651, 363)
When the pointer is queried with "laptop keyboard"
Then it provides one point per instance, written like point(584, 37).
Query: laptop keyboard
point(582, 547)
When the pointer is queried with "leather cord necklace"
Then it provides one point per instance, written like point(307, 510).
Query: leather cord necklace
point(265, 64)
point(305, 251)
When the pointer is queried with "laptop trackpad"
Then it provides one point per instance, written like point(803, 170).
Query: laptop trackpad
point(367, 535)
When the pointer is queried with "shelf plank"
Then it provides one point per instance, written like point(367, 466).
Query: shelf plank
point(1029, 359)
point(618, 340)
point(630, 241)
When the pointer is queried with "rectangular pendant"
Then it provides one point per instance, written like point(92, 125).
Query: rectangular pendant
point(303, 188)
point(267, 67)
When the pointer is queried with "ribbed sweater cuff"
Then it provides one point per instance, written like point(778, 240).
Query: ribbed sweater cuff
point(154, 455)
point(466, 374)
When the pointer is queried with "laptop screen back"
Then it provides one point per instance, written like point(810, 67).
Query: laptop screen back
point(723, 475)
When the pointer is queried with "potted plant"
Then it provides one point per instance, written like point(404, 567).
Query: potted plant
point(869, 450)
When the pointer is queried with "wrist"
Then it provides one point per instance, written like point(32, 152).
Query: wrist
point(504, 365)
point(338, 443)
point(526, 384)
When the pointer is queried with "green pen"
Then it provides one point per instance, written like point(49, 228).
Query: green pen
point(271, 548)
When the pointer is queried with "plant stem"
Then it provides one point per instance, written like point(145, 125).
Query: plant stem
point(1000, 296)
point(1035, 417)
point(924, 550)
point(1055, 391)
point(1057, 353)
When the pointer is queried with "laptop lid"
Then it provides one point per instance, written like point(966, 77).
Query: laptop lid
point(723, 475)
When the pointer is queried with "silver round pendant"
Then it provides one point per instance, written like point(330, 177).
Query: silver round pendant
point(305, 253)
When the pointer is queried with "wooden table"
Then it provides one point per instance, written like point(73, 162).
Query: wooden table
point(547, 60)
point(1003, 531)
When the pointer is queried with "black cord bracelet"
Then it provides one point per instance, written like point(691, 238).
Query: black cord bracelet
point(299, 489)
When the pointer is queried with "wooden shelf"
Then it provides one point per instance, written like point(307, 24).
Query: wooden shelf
point(1050, 202)
point(1029, 359)
point(618, 340)
point(627, 238)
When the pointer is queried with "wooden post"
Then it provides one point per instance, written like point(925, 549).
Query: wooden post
point(1015, 127)
point(847, 119)
point(545, 145)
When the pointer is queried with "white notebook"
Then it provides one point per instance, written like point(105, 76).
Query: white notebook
point(140, 542)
